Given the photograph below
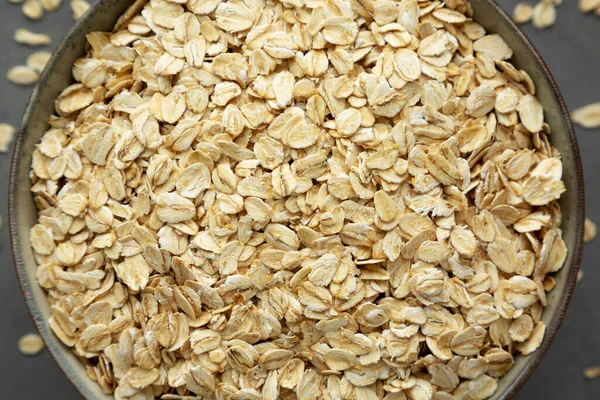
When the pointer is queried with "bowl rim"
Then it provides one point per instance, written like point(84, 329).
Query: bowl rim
point(565, 298)
point(56, 351)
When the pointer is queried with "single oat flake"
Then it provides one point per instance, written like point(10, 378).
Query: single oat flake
point(274, 200)
point(31, 344)
point(544, 15)
point(50, 5)
point(38, 60)
point(7, 132)
point(587, 116)
point(22, 75)
point(523, 13)
point(33, 9)
point(24, 36)
point(79, 7)
point(591, 372)
point(586, 6)
point(589, 232)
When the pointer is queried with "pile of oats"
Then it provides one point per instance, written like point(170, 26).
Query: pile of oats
point(253, 199)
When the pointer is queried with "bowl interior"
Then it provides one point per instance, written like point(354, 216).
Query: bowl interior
point(572, 203)
point(102, 16)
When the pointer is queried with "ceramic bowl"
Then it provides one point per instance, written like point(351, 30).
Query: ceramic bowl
point(102, 16)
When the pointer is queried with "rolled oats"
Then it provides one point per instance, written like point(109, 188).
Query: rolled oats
point(7, 132)
point(79, 7)
point(591, 372)
point(31, 344)
point(31, 39)
point(33, 9)
point(51, 5)
point(544, 15)
point(38, 60)
point(22, 75)
point(523, 13)
point(587, 116)
point(251, 199)
point(589, 232)
point(586, 6)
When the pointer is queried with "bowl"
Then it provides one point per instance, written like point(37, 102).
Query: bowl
point(102, 16)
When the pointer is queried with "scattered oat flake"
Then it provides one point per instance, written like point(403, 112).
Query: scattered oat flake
point(586, 6)
point(24, 36)
point(33, 9)
point(589, 232)
point(6, 136)
point(38, 60)
point(22, 75)
point(523, 13)
point(587, 116)
point(544, 15)
point(31, 344)
point(591, 372)
point(579, 275)
point(79, 7)
point(50, 5)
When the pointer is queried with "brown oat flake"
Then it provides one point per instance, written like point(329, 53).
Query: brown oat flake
point(591, 372)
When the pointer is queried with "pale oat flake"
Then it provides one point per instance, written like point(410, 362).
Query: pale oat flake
point(7, 132)
point(297, 200)
point(587, 116)
point(79, 7)
point(33, 9)
point(586, 6)
point(544, 15)
point(589, 231)
point(31, 344)
point(38, 60)
point(24, 36)
point(22, 75)
point(51, 5)
point(523, 13)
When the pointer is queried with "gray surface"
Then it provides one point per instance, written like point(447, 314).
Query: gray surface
point(570, 49)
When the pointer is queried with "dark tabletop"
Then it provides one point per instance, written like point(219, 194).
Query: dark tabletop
point(571, 49)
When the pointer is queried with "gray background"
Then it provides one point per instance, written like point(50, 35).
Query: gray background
point(571, 49)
